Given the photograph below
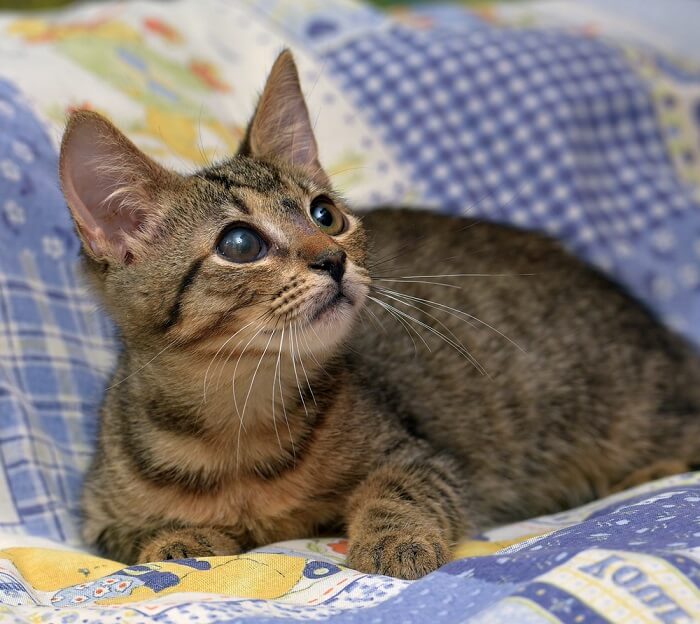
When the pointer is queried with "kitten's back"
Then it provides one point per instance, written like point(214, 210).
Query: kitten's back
point(561, 369)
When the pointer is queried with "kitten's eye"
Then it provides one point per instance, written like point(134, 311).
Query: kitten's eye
point(240, 244)
point(327, 216)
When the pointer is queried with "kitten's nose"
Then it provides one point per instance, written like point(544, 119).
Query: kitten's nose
point(332, 263)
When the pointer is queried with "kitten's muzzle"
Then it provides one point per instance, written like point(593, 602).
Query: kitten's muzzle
point(332, 263)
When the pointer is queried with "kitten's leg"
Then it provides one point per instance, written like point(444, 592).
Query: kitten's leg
point(658, 470)
point(403, 519)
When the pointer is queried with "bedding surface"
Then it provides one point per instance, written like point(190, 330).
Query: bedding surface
point(582, 123)
point(628, 558)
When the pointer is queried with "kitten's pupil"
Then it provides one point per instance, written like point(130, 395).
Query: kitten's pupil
point(322, 216)
point(326, 217)
point(240, 244)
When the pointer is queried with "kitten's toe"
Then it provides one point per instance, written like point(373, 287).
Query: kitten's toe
point(403, 554)
point(184, 544)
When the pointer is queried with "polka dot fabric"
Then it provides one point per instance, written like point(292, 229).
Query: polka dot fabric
point(541, 130)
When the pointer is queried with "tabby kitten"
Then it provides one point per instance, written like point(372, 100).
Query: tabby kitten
point(277, 379)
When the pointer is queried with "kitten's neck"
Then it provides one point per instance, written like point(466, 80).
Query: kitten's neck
point(267, 402)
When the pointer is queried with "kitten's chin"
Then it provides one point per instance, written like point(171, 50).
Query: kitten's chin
point(331, 320)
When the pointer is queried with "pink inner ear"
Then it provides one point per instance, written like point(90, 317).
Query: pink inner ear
point(96, 179)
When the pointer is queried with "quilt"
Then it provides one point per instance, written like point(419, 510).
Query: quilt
point(577, 119)
point(629, 558)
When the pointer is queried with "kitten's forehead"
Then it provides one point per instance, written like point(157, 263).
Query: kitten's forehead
point(245, 174)
point(249, 188)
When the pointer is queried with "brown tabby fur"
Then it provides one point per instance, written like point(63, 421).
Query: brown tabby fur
point(215, 439)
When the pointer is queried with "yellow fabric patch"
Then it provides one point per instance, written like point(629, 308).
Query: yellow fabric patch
point(49, 570)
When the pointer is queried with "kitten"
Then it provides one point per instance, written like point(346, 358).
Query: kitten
point(273, 384)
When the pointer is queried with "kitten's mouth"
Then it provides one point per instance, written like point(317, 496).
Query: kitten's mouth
point(339, 299)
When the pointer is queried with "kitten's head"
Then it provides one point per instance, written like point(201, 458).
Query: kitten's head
point(257, 243)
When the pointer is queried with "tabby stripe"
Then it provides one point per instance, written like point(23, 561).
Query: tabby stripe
point(440, 506)
point(185, 283)
point(181, 421)
point(325, 399)
point(446, 496)
point(383, 511)
point(400, 491)
point(228, 183)
point(255, 181)
point(437, 469)
point(378, 550)
point(195, 482)
point(198, 482)
point(290, 205)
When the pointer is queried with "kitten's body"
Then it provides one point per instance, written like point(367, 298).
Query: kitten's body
point(216, 438)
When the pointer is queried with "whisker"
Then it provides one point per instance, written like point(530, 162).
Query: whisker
point(404, 277)
point(235, 370)
point(222, 365)
point(247, 396)
point(284, 409)
point(471, 358)
point(407, 281)
point(206, 374)
point(450, 342)
point(274, 381)
point(460, 313)
point(426, 302)
point(309, 350)
point(374, 317)
point(301, 361)
point(296, 376)
point(138, 370)
point(403, 323)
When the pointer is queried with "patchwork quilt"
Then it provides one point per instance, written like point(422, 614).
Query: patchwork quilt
point(579, 119)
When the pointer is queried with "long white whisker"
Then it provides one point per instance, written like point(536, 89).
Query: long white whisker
point(284, 409)
point(407, 281)
point(447, 340)
point(206, 374)
point(309, 350)
point(222, 365)
point(403, 323)
point(255, 372)
point(447, 329)
point(427, 302)
point(274, 381)
point(301, 361)
point(466, 275)
point(458, 313)
point(138, 370)
point(235, 370)
point(296, 376)
point(247, 396)
point(374, 317)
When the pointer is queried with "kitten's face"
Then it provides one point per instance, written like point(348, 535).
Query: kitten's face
point(270, 249)
point(237, 256)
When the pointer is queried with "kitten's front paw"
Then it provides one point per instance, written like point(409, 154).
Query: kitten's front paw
point(185, 543)
point(403, 554)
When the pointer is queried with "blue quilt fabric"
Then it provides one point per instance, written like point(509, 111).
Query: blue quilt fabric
point(536, 128)
point(541, 130)
point(54, 346)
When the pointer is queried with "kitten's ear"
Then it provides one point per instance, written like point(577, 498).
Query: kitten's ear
point(280, 129)
point(111, 188)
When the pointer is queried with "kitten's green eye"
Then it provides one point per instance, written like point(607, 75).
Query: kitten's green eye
point(327, 216)
point(241, 244)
